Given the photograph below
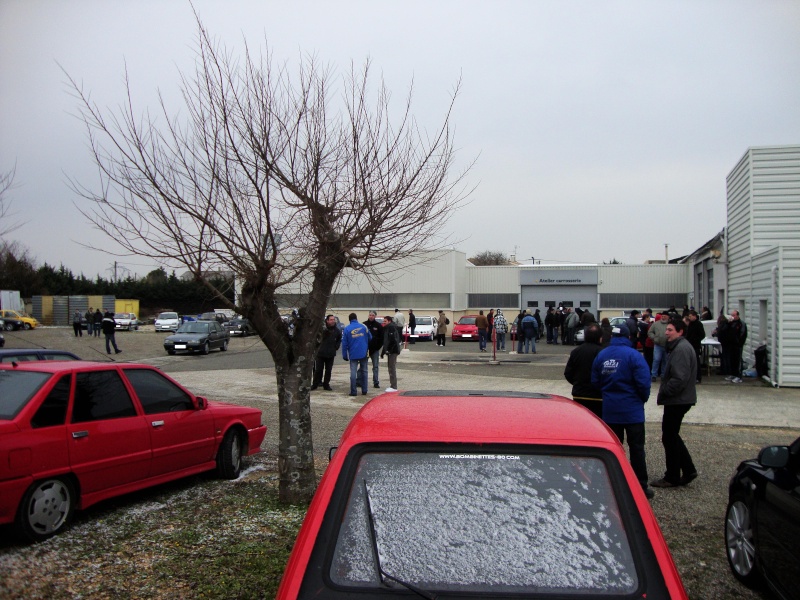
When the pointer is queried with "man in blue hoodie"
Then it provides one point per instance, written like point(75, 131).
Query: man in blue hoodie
point(622, 375)
point(355, 348)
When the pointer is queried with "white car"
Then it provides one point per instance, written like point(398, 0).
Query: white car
point(126, 320)
point(425, 329)
point(168, 321)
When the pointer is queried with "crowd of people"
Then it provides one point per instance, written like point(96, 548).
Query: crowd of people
point(96, 322)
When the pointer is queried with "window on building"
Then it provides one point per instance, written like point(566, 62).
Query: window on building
point(492, 300)
point(586, 304)
point(533, 303)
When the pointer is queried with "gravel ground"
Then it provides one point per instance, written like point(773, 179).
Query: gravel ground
point(691, 517)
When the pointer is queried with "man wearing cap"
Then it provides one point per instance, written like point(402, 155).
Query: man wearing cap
point(620, 373)
point(658, 333)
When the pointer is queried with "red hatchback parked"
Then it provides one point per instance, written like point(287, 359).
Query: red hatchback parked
point(478, 495)
point(75, 433)
point(465, 329)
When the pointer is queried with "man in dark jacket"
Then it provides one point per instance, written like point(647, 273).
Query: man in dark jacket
point(331, 339)
point(677, 395)
point(695, 333)
point(392, 345)
point(109, 330)
point(482, 323)
point(579, 370)
point(621, 373)
point(737, 334)
point(376, 331)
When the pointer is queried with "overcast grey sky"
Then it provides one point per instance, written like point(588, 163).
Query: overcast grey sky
point(603, 129)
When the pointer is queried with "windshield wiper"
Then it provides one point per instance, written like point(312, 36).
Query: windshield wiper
point(382, 575)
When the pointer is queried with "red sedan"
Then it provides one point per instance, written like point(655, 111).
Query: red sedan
point(75, 433)
point(465, 329)
point(479, 495)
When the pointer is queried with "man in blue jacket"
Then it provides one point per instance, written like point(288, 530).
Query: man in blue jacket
point(355, 348)
point(621, 373)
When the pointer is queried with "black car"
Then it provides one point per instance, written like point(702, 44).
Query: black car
point(12, 324)
point(25, 354)
point(197, 336)
point(239, 326)
point(762, 524)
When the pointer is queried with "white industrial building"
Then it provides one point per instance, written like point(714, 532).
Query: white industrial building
point(752, 265)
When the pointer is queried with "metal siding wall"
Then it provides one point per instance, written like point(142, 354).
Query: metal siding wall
point(761, 290)
point(775, 192)
point(739, 235)
point(429, 273)
point(789, 317)
point(657, 279)
point(493, 280)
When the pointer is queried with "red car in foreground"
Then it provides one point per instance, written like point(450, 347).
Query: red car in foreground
point(75, 433)
point(479, 495)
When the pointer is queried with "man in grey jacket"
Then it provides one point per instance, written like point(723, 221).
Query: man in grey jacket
point(677, 395)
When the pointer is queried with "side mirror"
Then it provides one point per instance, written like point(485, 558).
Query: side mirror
point(775, 457)
point(201, 403)
point(331, 452)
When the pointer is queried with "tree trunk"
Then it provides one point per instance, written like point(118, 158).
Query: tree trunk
point(298, 479)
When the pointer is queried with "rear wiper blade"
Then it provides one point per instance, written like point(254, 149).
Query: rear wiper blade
point(382, 575)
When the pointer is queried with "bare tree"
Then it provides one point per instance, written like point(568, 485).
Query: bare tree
point(489, 257)
point(6, 184)
point(269, 178)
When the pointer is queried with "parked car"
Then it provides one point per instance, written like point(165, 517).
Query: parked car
point(73, 434)
point(213, 316)
point(465, 329)
point(425, 329)
point(126, 321)
point(239, 326)
point(167, 321)
point(470, 494)
point(28, 354)
point(2, 337)
point(197, 336)
point(15, 317)
point(11, 323)
point(762, 523)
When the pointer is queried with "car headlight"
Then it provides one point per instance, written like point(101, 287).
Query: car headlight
point(169, 343)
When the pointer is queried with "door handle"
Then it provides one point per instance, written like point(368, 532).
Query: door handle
point(157, 423)
point(80, 434)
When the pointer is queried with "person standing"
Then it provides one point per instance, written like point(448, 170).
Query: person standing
point(722, 333)
point(551, 323)
point(644, 339)
point(98, 322)
point(657, 333)
point(706, 314)
point(331, 339)
point(441, 329)
point(587, 318)
point(90, 321)
point(737, 334)
point(529, 329)
point(500, 330)
point(571, 322)
point(376, 331)
point(392, 343)
point(605, 328)
point(579, 371)
point(695, 333)
point(355, 348)
point(620, 372)
point(399, 319)
point(540, 324)
point(412, 325)
point(490, 320)
point(482, 323)
point(109, 330)
point(633, 326)
point(76, 324)
point(677, 395)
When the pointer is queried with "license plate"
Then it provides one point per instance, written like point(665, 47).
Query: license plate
point(466, 335)
point(180, 346)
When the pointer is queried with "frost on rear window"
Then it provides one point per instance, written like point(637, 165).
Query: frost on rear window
point(485, 522)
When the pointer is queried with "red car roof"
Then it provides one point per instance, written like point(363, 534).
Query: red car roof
point(426, 416)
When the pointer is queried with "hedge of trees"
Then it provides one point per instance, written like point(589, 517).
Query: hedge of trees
point(157, 291)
